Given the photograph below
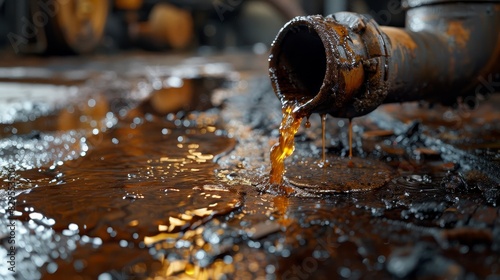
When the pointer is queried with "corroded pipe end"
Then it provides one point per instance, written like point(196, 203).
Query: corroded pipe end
point(346, 65)
point(329, 65)
point(298, 62)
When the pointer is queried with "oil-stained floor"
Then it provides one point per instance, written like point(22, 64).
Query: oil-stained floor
point(143, 166)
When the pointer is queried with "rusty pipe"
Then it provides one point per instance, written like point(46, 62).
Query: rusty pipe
point(347, 65)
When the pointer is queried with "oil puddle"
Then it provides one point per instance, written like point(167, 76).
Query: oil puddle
point(168, 194)
point(37, 131)
point(338, 175)
point(145, 181)
point(332, 175)
point(113, 177)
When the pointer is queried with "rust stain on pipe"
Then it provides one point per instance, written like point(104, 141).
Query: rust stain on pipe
point(400, 35)
point(458, 31)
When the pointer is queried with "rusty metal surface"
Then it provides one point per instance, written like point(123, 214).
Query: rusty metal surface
point(329, 79)
point(346, 65)
point(447, 52)
point(108, 184)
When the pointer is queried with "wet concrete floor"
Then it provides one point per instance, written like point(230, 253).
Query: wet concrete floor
point(156, 167)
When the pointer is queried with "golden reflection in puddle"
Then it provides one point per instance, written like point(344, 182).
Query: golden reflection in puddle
point(187, 268)
point(200, 212)
point(133, 223)
point(150, 240)
point(172, 99)
point(183, 269)
point(281, 204)
point(215, 271)
point(175, 222)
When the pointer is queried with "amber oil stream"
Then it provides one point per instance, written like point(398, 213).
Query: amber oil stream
point(285, 146)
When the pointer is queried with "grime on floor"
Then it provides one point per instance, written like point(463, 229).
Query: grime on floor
point(104, 179)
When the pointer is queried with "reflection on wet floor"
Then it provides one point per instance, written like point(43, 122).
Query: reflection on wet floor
point(168, 183)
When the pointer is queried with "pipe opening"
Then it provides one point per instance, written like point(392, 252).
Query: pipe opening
point(304, 58)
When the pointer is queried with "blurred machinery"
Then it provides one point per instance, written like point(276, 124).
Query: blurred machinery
point(81, 26)
point(58, 26)
point(71, 26)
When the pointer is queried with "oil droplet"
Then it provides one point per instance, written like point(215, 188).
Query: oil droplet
point(350, 164)
point(308, 123)
point(323, 138)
